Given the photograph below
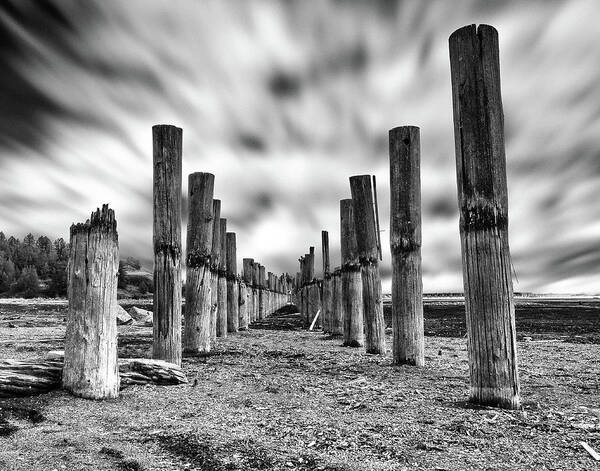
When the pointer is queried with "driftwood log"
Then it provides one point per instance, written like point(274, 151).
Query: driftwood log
point(30, 377)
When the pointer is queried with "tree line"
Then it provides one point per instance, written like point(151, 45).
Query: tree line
point(37, 267)
point(33, 267)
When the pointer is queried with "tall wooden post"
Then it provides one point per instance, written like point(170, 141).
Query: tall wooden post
point(243, 305)
point(166, 326)
point(90, 367)
point(247, 273)
point(262, 295)
point(405, 243)
point(366, 243)
point(232, 286)
point(222, 282)
point(327, 295)
point(196, 333)
point(337, 311)
point(351, 279)
point(483, 207)
point(214, 268)
point(255, 290)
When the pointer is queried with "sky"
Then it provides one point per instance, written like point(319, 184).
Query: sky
point(283, 101)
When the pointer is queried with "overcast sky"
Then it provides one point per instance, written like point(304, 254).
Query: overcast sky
point(283, 101)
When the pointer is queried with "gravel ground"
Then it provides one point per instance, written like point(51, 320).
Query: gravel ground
point(277, 397)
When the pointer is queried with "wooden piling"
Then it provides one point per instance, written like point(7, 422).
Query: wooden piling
point(166, 326)
point(327, 292)
point(351, 278)
point(366, 243)
point(196, 333)
point(232, 285)
point(214, 268)
point(483, 208)
point(262, 295)
point(90, 366)
point(247, 274)
point(222, 282)
point(405, 244)
point(337, 309)
point(243, 305)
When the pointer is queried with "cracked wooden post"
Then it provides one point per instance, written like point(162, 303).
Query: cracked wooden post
point(271, 305)
point(247, 273)
point(352, 298)
point(405, 244)
point(166, 325)
point(216, 255)
point(222, 281)
point(196, 333)
point(214, 268)
point(243, 304)
point(90, 366)
point(483, 207)
point(337, 310)
point(255, 294)
point(368, 255)
point(262, 295)
point(233, 295)
point(327, 295)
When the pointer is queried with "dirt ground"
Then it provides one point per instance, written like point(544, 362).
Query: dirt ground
point(280, 398)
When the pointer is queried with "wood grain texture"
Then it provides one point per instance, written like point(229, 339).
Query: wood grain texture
point(196, 334)
point(327, 286)
point(368, 255)
point(351, 279)
point(214, 268)
point(222, 282)
point(337, 310)
point(233, 320)
point(166, 325)
point(262, 295)
point(483, 208)
point(19, 378)
point(405, 245)
point(90, 368)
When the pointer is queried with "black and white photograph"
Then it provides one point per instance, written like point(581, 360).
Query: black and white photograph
point(314, 235)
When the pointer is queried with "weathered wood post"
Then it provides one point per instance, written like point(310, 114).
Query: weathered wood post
point(222, 282)
point(166, 326)
point(247, 273)
point(90, 368)
point(271, 303)
point(262, 295)
point(196, 333)
point(255, 290)
point(337, 312)
point(483, 206)
point(243, 304)
point(405, 244)
point(232, 286)
point(215, 256)
point(327, 295)
point(366, 243)
point(352, 298)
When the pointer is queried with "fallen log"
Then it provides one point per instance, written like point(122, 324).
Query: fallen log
point(30, 377)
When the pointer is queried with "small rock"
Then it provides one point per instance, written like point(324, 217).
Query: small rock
point(527, 339)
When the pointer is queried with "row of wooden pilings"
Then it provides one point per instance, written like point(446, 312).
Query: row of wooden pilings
point(349, 298)
point(218, 301)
